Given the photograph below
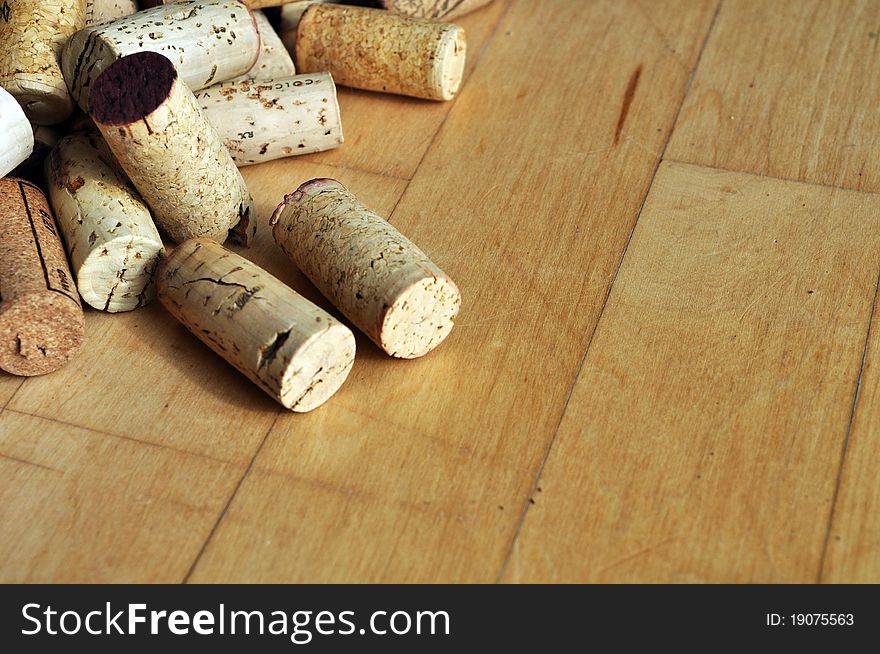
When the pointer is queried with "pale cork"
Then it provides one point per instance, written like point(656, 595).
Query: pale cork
point(113, 244)
point(45, 137)
point(376, 50)
point(17, 137)
point(32, 35)
point(295, 351)
point(264, 120)
point(104, 11)
point(208, 42)
point(373, 274)
point(41, 320)
point(274, 60)
point(435, 9)
point(172, 155)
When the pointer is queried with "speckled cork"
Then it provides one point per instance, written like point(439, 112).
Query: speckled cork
point(376, 50)
point(109, 234)
point(436, 9)
point(41, 321)
point(296, 352)
point(17, 137)
point(264, 120)
point(373, 274)
point(209, 42)
point(104, 11)
point(32, 35)
point(174, 157)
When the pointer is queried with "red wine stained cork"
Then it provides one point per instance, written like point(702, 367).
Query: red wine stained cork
point(173, 156)
point(264, 120)
point(104, 11)
point(380, 51)
point(32, 35)
point(41, 320)
point(17, 137)
point(435, 9)
point(372, 273)
point(296, 352)
point(114, 246)
point(210, 41)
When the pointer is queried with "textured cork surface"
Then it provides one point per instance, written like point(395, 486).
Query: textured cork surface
point(32, 35)
point(41, 321)
point(263, 120)
point(274, 60)
point(103, 11)
point(436, 9)
point(208, 42)
point(296, 352)
point(379, 51)
point(17, 137)
point(372, 273)
point(113, 244)
point(174, 157)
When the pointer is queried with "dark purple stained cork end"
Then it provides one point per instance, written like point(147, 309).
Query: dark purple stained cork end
point(131, 88)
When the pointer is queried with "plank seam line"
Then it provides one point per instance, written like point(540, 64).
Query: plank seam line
point(552, 441)
point(122, 437)
point(461, 91)
point(846, 440)
point(229, 501)
point(12, 397)
point(740, 171)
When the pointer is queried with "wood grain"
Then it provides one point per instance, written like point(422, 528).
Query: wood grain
point(420, 470)
point(80, 506)
point(788, 89)
point(703, 438)
point(854, 536)
point(389, 134)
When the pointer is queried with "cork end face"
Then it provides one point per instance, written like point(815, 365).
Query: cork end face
point(450, 62)
point(120, 275)
point(421, 317)
point(39, 334)
point(131, 88)
point(42, 104)
point(318, 369)
point(309, 188)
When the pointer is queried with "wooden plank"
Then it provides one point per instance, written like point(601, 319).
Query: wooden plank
point(8, 386)
point(851, 554)
point(788, 89)
point(419, 471)
point(388, 134)
point(703, 437)
point(144, 376)
point(80, 506)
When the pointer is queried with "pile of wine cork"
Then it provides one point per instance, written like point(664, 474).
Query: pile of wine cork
point(125, 125)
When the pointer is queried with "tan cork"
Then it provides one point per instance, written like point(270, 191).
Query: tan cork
point(175, 158)
point(264, 120)
point(32, 35)
point(372, 273)
point(41, 321)
point(435, 9)
point(104, 11)
point(17, 137)
point(113, 245)
point(379, 51)
point(209, 42)
point(296, 352)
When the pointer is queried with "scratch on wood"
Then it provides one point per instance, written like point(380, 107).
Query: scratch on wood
point(628, 96)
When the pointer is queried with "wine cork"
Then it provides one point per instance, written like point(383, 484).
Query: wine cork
point(371, 272)
point(435, 9)
point(379, 51)
point(209, 42)
point(104, 11)
point(41, 321)
point(32, 34)
point(261, 121)
point(274, 61)
point(17, 137)
point(296, 352)
point(174, 157)
point(45, 137)
point(113, 244)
